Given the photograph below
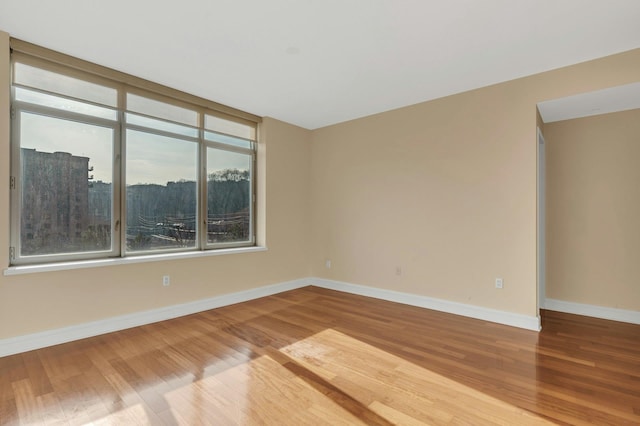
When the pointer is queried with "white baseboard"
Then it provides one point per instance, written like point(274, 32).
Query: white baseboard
point(613, 314)
point(477, 312)
point(28, 342)
point(43, 339)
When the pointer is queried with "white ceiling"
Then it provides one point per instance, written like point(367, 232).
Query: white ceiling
point(315, 63)
point(614, 99)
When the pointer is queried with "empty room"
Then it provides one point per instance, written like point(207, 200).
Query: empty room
point(320, 213)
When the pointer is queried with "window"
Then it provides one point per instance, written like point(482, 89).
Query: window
point(106, 165)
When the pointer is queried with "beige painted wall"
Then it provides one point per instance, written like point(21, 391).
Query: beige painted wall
point(37, 302)
point(593, 210)
point(445, 190)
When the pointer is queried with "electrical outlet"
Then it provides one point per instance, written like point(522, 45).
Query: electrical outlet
point(327, 263)
point(398, 270)
point(166, 280)
point(499, 283)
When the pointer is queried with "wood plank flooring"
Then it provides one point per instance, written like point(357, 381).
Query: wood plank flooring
point(318, 357)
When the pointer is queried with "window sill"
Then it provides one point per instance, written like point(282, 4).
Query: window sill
point(81, 264)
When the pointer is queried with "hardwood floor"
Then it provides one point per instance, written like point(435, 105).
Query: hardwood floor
point(314, 356)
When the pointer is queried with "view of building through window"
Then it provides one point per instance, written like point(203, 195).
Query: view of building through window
point(63, 209)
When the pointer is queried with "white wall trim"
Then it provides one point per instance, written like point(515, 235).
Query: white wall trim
point(28, 342)
point(477, 312)
point(14, 345)
point(603, 312)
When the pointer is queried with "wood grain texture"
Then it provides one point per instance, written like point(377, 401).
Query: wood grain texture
point(313, 356)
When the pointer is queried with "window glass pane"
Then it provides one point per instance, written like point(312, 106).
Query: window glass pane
point(229, 127)
point(66, 178)
point(26, 95)
point(64, 85)
point(228, 196)
point(161, 192)
point(229, 140)
point(162, 125)
point(161, 110)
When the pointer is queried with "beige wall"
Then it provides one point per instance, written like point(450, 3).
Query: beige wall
point(593, 210)
point(37, 302)
point(445, 190)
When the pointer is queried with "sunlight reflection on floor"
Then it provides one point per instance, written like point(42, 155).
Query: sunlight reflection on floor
point(333, 378)
point(257, 392)
point(133, 415)
point(398, 390)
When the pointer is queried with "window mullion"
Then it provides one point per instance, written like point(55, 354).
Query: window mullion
point(161, 133)
point(203, 224)
point(16, 172)
point(67, 115)
point(120, 172)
